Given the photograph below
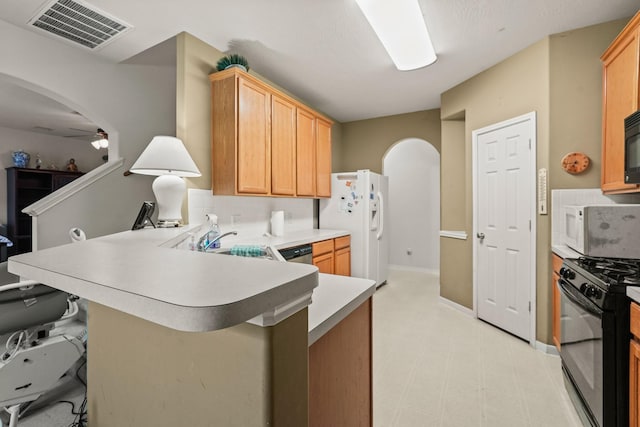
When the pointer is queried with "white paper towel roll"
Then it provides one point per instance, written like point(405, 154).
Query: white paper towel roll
point(277, 223)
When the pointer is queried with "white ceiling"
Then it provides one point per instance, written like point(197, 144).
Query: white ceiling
point(27, 110)
point(325, 52)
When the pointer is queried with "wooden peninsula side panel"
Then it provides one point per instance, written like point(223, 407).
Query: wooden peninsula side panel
point(340, 372)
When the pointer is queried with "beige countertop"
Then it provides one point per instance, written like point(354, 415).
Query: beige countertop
point(183, 290)
point(633, 292)
point(334, 299)
point(141, 273)
point(564, 251)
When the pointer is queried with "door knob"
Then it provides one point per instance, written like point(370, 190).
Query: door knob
point(480, 236)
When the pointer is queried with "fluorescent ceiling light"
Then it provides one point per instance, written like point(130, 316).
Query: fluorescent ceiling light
point(400, 26)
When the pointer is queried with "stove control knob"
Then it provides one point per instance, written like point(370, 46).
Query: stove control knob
point(591, 291)
point(567, 274)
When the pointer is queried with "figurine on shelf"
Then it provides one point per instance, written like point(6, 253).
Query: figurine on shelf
point(71, 166)
point(38, 161)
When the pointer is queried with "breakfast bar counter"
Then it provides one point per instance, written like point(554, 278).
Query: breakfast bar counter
point(180, 337)
point(184, 290)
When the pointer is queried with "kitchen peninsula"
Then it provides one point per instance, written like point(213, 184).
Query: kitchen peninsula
point(169, 342)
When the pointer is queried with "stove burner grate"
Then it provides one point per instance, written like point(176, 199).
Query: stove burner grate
point(614, 271)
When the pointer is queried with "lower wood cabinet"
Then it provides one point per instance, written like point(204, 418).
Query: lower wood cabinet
point(333, 256)
point(555, 305)
point(634, 367)
point(342, 256)
point(340, 370)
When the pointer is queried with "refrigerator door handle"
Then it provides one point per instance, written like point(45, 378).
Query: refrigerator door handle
point(380, 217)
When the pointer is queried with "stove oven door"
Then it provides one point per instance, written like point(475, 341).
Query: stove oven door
point(581, 347)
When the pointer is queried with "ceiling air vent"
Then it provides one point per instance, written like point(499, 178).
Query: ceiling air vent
point(79, 23)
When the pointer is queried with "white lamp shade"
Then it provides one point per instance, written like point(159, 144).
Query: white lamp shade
point(165, 155)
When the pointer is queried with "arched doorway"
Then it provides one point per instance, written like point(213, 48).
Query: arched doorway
point(413, 168)
point(52, 131)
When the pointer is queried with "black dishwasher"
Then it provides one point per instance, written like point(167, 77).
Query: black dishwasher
point(302, 254)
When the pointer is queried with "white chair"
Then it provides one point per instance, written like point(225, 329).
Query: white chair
point(35, 352)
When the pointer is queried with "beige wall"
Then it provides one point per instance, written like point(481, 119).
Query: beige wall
point(195, 61)
point(144, 374)
point(576, 100)
point(364, 142)
point(559, 78)
point(511, 88)
point(455, 192)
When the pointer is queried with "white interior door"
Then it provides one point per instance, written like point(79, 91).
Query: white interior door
point(503, 219)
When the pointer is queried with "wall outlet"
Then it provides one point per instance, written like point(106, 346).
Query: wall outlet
point(288, 216)
point(235, 219)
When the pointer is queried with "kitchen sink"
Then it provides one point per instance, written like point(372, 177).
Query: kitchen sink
point(260, 252)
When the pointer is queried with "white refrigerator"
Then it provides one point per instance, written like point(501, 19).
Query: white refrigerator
point(358, 204)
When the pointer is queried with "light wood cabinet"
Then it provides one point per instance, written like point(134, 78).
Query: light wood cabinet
point(265, 143)
point(323, 256)
point(306, 153)
point(324, 263)
point(283, 147)
point(634, 367)
point(333, 256)
point(342, 256)
point(620, 95)
point(253, 146)
point(555, 305)
point(323, 159)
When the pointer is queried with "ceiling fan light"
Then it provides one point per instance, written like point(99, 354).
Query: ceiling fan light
point(101, 140)
point(401, 28)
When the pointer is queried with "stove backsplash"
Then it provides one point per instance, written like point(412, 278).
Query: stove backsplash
point(580, 197)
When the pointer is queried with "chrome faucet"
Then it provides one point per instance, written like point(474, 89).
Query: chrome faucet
point(203, 248)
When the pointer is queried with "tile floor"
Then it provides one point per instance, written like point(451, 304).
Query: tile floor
point(435, 366)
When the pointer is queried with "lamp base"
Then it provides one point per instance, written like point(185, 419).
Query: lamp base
point(169, 191)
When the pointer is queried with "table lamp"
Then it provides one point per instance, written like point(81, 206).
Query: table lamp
point(166, 157)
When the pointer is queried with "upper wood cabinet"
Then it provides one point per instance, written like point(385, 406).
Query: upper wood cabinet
point(254, 137)
point(323, 159)
point(283, 147)
point(620, 98)
point(306, 153)
point(263, 142)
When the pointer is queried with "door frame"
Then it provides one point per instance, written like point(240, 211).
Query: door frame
point(531, 117)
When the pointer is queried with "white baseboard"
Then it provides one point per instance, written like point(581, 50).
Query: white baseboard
point(540, 346)
point(457, 306)
point(546, 348)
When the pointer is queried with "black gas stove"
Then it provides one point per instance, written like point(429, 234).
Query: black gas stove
point(594, 336)
point(617, 272)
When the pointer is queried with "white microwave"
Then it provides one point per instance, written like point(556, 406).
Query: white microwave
point(608, 231)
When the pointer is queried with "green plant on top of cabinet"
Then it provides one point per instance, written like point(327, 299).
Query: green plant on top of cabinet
point(265, 143)
point(620, 98)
